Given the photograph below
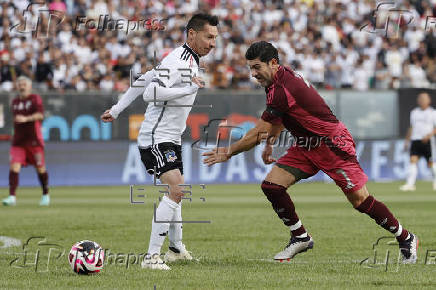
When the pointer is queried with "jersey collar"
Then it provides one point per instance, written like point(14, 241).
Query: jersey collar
point(192, 52)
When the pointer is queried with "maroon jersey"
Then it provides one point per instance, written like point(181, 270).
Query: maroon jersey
point(28, 133)
point(293, 101)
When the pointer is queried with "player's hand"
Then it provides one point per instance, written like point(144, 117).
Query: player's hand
point(107, 117)
point(20, 119)
point(266, 155)
point(217, 155)
point(198, 81)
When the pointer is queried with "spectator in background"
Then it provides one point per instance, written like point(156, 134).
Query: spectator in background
point(317, 70)
point(347, 71)
point(382, 76)
point(361, 76)
point(416, 74)
point(333, 72)
point(57, 5)
point(330, 29)
point(8, 73)
point(106, 84)
point(44, 72)
point(394, 60)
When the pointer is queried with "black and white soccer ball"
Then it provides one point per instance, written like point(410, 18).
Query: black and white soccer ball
point(86, 257)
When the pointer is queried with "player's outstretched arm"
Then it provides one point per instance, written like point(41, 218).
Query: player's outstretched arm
point(128, 97)
point(252, 138)
point(159, 93)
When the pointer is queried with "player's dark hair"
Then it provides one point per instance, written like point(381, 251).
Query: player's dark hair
point(198, 21)
point(263, 50)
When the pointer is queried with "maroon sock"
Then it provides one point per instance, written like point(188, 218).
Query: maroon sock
point(13, 182)
point(283, 206)
point(43, 180)
point(382, 216)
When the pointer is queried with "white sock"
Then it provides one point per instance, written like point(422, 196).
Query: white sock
point(296, 226)
point(164, 212)
point(413, 171)
point(434, 172)
point(175, 232)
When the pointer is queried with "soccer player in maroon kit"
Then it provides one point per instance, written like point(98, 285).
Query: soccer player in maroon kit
point(322, 142)
point(27, 143)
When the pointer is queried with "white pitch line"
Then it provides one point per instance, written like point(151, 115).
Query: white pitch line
point(292, 261)
point(9, 242)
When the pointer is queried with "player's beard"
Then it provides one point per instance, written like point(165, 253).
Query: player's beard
point(263, 82)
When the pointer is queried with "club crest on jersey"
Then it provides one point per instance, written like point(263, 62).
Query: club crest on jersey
point(170, 156)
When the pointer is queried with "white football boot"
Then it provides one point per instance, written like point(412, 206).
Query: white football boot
point(295, 246)
point(11, 200)
point(154, 262)
point(175, 254)
point(407, 187)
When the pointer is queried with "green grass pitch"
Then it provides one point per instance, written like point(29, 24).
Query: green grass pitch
point(234, 250)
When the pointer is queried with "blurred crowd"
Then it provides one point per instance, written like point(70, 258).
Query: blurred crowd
point(103, 44)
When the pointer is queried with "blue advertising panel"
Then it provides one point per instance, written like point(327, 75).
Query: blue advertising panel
point(118, 162)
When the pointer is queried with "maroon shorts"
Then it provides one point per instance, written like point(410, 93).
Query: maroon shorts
point(33, 155)
point(335, 155)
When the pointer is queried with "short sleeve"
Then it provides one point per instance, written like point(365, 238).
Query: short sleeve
point(276, 106)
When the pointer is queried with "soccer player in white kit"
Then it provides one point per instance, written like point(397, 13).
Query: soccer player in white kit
point(170, 89)
point(420, 133)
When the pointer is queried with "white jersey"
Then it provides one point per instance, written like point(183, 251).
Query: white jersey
point(164, 123)
point(170, 95)
point(422, 122)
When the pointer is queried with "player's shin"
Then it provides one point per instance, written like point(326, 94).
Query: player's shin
point(160, 224)
point(284, 207)
point(411, 175)
point(13, 182)
point(43, 180)
point(175, 229)
point(383, 217)
point(433, 167)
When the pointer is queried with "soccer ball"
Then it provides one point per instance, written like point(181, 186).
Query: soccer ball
point(86, 257)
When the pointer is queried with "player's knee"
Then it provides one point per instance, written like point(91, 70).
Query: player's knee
point(15, 167)
point(41, 169)
point(414, 159)
point(356, 198)
point(176, 192)
point(176, 196)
